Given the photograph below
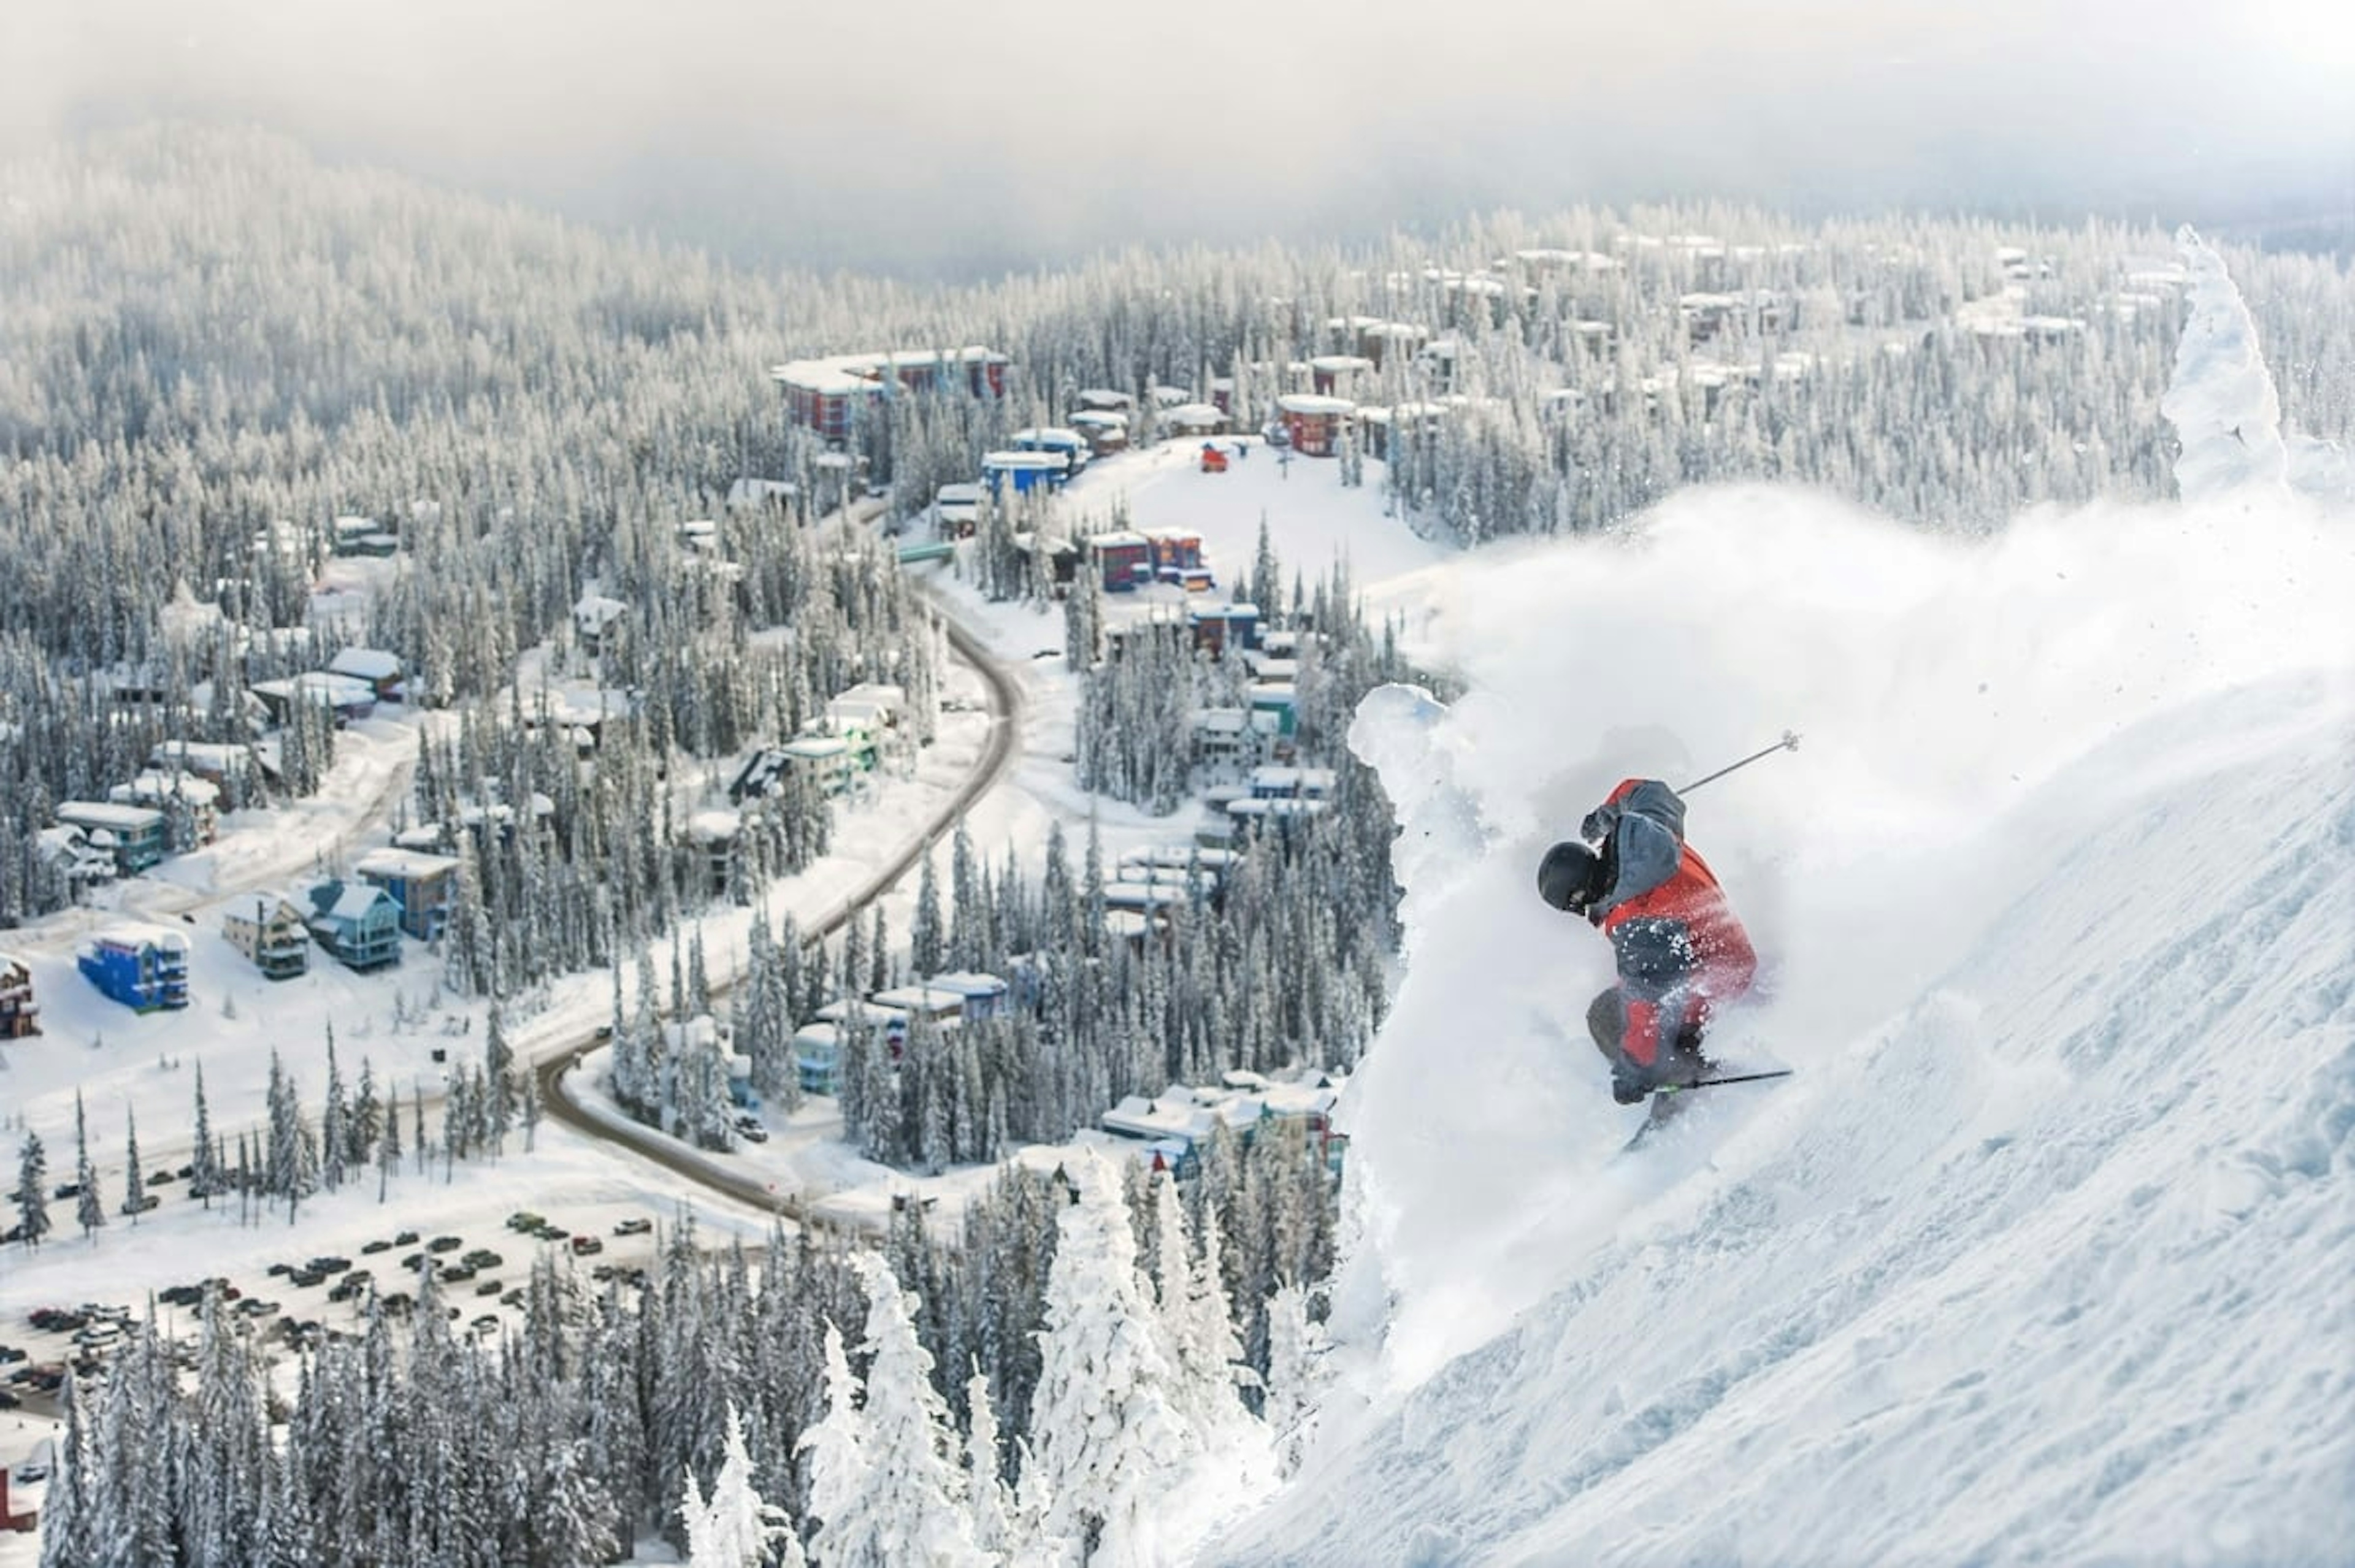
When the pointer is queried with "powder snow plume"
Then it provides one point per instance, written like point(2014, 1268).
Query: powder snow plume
point(2042, 1255)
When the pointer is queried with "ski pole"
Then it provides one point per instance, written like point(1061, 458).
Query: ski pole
point(1713, 1082)
point(1789, 742)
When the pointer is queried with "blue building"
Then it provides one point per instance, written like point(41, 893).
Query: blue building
point(1027, 471)
point(357, 923)
point(144, 970)
point(425, 886)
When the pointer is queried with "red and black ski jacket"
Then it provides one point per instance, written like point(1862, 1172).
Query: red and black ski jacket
point(1679, 949)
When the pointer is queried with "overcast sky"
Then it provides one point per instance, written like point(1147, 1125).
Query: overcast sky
point(947, 137)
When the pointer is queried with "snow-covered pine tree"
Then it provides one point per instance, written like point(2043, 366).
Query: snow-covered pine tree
point(135, 1181)
point(89, 1209)
point(735, 1528)
point(1296, 1375)
point(1104, 1430)
point(853, 1525)
point(910, 1446)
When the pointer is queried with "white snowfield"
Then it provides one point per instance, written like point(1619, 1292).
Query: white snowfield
point(2045, 1254)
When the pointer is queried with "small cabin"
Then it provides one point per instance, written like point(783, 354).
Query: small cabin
point(956, 510)
point(269, 930)
point(1313, 424)
point(984, 995)
point(1056, 441)
point(817, 1057)
point(424, 885)
point(382, 671)
point(1023, 472)
point(358, 925)
point(1214, 627)
point(19, 1014)
point(1175, 550)
point(134, 834)
point(716, 833)
point(1107, 432)
point(1223, 737)
point(594, 614)
point(347, 698)
point(1122, 560)
point(1332, 374)
point(1194, 420)
point(199, 800)
point(147, 971)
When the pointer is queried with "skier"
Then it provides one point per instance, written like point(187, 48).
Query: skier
point(1681, 954)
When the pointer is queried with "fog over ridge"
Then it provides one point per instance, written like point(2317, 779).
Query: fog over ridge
point(939, 137)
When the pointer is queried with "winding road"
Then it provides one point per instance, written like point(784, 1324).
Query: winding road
point(695, 1165)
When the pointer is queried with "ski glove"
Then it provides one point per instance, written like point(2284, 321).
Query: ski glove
point(1629, 1089)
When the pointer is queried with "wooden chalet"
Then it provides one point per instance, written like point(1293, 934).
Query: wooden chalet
point(19, 1014)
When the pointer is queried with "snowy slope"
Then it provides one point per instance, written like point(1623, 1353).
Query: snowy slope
point(2044, 1256)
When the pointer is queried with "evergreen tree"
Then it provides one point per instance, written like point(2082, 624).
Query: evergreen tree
point(908, 1444)
point(32, 1194)
point(89, 1209)
point(1104, 1435)
point(135, 1181)
point(926, 940)
point(736, 1529)
point(1295, 1376)
point(853, 1523)
point(206, 1176)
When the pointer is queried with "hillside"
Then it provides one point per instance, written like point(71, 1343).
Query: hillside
point(2043, 1254)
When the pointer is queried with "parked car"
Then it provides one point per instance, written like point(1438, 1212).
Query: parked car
point(8, 1401)
point(458, 1274)
point(10, 1353)
point(636, 1227)
point(445, 1243)
point(524, 1220)
point(489, 1287)
point(406, 1239)
point(331, 1264)
point(585, 1245)
point(32, 1471)
point(305, 1278)
point(162, 1177)
point(482, 1258)
point(488, 1323)
point(377, 1247)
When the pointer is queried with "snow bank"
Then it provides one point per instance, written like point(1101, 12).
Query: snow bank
point(2049, 904)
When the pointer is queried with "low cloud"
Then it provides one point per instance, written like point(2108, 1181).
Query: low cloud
point(935, 136)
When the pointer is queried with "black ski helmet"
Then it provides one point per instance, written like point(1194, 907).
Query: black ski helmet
point(1570, 878)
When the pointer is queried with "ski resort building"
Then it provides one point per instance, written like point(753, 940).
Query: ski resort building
point(132, 834)
point(817, 1057)
point(144, 970)
point(981, 995)
point(424, 885)
point(1216, 625)
point(830, 396)
point(360, 926)
point(382, 671)
point(1055, 441)
point(1314, 424)
point(269, 931)
point(1122, 560)
point(19, 1014)
point(197, 802)
point(1024, 472)
point(825, 760)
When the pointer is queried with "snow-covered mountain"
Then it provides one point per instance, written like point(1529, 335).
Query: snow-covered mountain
point(2044, 1256)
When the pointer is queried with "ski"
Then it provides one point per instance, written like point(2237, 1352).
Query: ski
point(1669, 1099)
